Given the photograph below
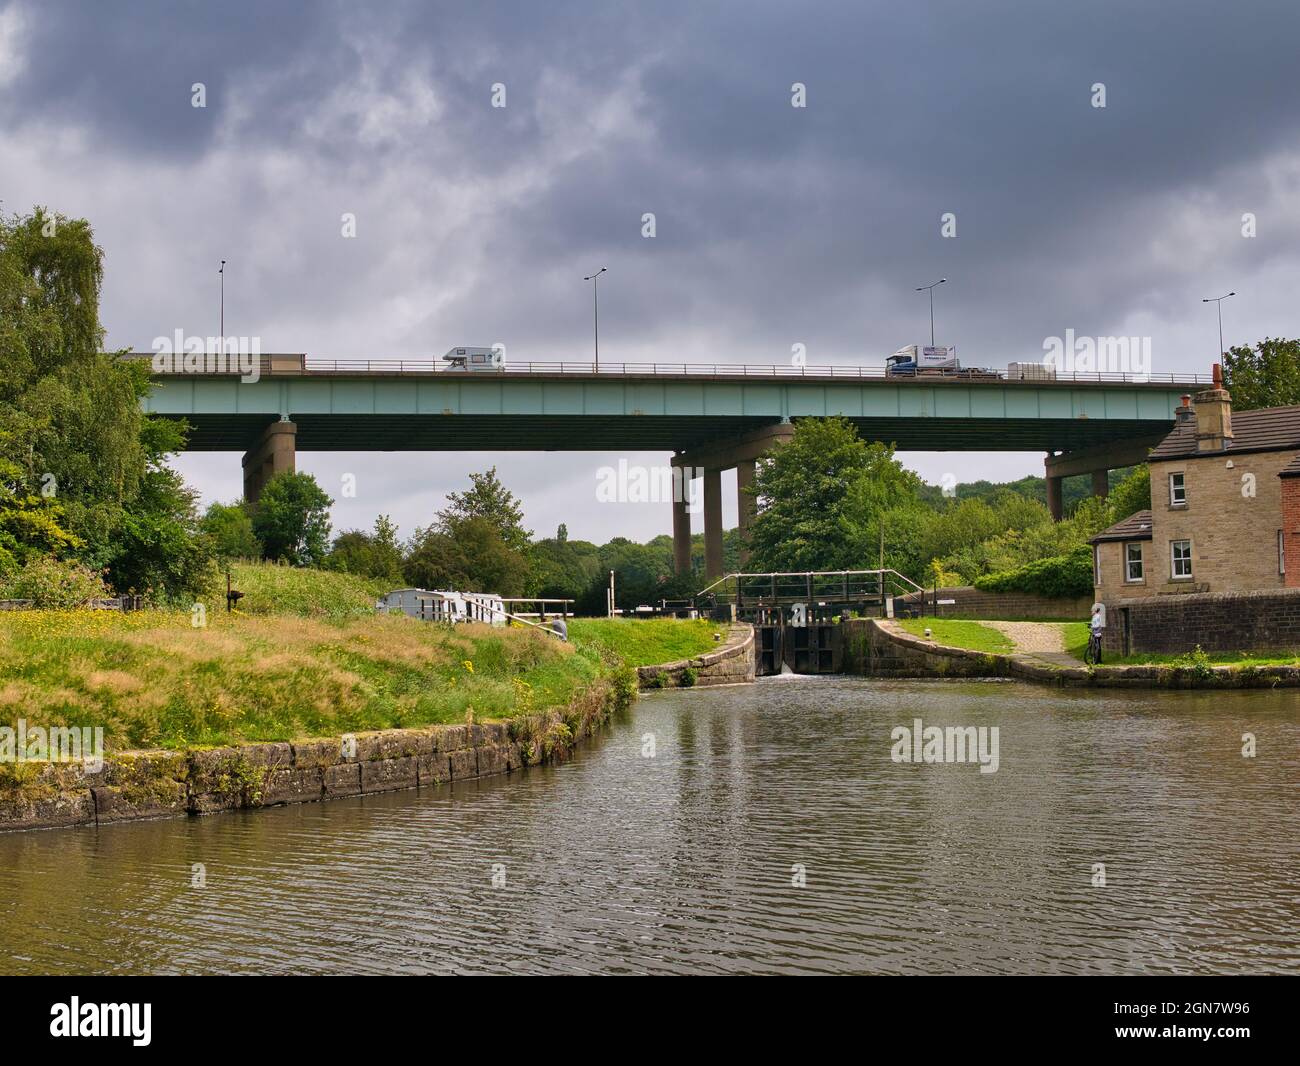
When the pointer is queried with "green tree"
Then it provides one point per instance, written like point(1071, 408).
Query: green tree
point(1131, 494)
point(1267, 375)
point(490, 500)
point(563, 568)
point(376, 554)
point(230, 529)
point(30, 524)
point(814, 493)
point(467, 555)
point(291, 519)
point(158, 546)
point(71, 425)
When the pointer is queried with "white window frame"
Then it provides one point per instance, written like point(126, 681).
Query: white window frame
point(1096, 566)
point(1182, 487)
point(1174, 575)
point(1281, 552)
point(1129, 579)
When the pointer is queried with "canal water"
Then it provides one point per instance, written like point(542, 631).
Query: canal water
point(770, 831)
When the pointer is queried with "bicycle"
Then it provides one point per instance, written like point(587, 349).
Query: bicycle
point(1093, 655)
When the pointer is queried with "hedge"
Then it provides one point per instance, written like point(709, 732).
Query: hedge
point(1059, 575)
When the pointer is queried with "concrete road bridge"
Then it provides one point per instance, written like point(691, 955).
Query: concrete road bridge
point(711, 417)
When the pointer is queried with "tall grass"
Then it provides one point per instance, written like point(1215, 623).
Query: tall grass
point(150, 679)
point(272, 589)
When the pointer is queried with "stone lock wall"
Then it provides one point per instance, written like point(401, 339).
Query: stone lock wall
point(154, 784)
point(875, 648)
point(730, 664)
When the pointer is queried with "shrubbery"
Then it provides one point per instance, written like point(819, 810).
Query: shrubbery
point(54, 584)
point(1059, 575)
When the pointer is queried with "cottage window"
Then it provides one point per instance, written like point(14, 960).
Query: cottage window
point(1177, 490)
point(1281, 552)
point(1096, 565)
point(1132, 562)
point(1180, 559)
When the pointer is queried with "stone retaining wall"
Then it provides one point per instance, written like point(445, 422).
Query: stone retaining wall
point(1267, 620)
point(155, 784)
point(730, 664)
point(1006, 606)
point(874, 648)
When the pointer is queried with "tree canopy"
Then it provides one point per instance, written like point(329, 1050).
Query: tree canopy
point(82, 468)
point(292, 520)
point(1267, 375)
point(816, 493)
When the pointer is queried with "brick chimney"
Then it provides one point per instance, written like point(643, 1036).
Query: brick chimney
point(1214, 416)
point(1184, 413)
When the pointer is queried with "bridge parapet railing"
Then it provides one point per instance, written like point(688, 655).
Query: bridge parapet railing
point(273, 365)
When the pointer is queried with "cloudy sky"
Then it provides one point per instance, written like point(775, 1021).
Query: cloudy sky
point(774, 225)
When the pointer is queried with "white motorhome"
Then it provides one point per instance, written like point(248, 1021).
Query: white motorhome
point(475, 359)
point(401, 601)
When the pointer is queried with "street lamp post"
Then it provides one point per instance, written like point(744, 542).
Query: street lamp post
point(1218, 302)
point(595, 309)
point(222, 330)
point(930, 289)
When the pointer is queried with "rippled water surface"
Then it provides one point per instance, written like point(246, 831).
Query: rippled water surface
point(618, 863)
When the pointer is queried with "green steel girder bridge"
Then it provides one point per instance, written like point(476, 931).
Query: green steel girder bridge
point(712, 417)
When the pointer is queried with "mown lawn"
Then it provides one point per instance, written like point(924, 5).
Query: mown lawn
point(1075, 637)
point(957, 633)
point(646, 641)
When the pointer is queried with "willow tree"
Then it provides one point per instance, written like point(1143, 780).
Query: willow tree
point(72, 431)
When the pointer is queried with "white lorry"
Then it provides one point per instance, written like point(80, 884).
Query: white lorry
point(938, 361)
point(915, 359)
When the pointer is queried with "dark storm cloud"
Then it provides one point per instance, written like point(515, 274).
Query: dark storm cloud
point(775, 225)
point(124, 70)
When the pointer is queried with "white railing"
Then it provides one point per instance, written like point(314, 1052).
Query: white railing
point(810, 585)
point(291, 366)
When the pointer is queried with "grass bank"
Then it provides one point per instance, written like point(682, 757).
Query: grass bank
point(304, 656)
point(271, 590)
point(957, 633)
point(153, 680)
point(1195, 658)
point(646, 641)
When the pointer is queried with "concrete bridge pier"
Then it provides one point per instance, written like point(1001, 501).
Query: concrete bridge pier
point(713, 458)
point(1098, 462)
point(273, 454)
point(712, 523)
point(682, 531)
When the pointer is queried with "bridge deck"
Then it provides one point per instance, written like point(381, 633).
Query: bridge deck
point(668, 407)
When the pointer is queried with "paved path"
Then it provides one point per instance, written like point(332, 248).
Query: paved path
point(1032, 636)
